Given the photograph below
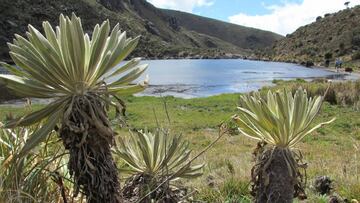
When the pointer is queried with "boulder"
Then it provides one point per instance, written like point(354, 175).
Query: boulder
point(323, 185)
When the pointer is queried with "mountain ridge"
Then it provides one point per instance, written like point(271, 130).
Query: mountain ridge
point(330, 37)
point(165, 33)
point(225, 28)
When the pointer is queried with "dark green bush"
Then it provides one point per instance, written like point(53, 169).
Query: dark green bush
point(327, 63)
point(328, 55)
point(310, 51)
point(355, 41)
point(356, 56)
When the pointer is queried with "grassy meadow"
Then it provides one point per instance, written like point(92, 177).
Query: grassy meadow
point(333, 150)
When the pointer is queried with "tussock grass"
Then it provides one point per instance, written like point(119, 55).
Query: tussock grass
point(231, 190)
point(32, 177)
point(340, 93)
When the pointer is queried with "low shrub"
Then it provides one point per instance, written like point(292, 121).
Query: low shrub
point(327, 63)
point(356, 56)
point(341, 93)
point(328, 55)
point(355, 41)
point(307, 63)
point(349, 70)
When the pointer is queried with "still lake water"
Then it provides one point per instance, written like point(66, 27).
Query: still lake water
point(201, 78)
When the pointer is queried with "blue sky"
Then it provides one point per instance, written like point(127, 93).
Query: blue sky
point(280, 16)
point(223, 9)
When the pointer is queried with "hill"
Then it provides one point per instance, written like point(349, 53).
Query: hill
point(241, 36)
point(332, 36)
point(165, 33)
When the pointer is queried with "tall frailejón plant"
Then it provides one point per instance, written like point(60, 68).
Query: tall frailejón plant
point(80, 73)
point(281, 120)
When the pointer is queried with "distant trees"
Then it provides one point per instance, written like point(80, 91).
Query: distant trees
point(355, 41)
point(356, 56)
point(328, 56)
point(347, 4)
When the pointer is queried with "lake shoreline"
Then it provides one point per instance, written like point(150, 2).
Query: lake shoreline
point(249, 76)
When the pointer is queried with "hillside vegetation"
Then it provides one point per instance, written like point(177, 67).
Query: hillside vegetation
point(331, 36)
point(245, 37)
point(165, 33)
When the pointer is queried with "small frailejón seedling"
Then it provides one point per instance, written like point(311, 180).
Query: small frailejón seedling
point(281, 121)
point(74, 69)
point(153, 159)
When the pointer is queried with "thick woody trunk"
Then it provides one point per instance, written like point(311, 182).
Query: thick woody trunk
point(93, 168)
point(275, 183)
point(87, 135)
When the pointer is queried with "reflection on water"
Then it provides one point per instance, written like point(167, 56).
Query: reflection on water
point(201, 78)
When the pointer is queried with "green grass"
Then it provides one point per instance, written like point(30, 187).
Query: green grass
point(328, 151)
point(230, 191)
point(185, 114)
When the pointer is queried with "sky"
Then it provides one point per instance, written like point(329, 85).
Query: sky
point(279, 16)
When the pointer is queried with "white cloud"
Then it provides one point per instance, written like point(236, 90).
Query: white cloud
point(182, 5)
point(286, 18)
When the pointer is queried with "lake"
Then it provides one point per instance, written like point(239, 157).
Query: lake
point(207, 77)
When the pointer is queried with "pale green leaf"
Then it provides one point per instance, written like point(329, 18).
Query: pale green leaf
point(41, 134)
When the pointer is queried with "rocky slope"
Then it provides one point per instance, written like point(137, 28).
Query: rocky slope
point(331, 36)
point(241, 36)
point(164, 33)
